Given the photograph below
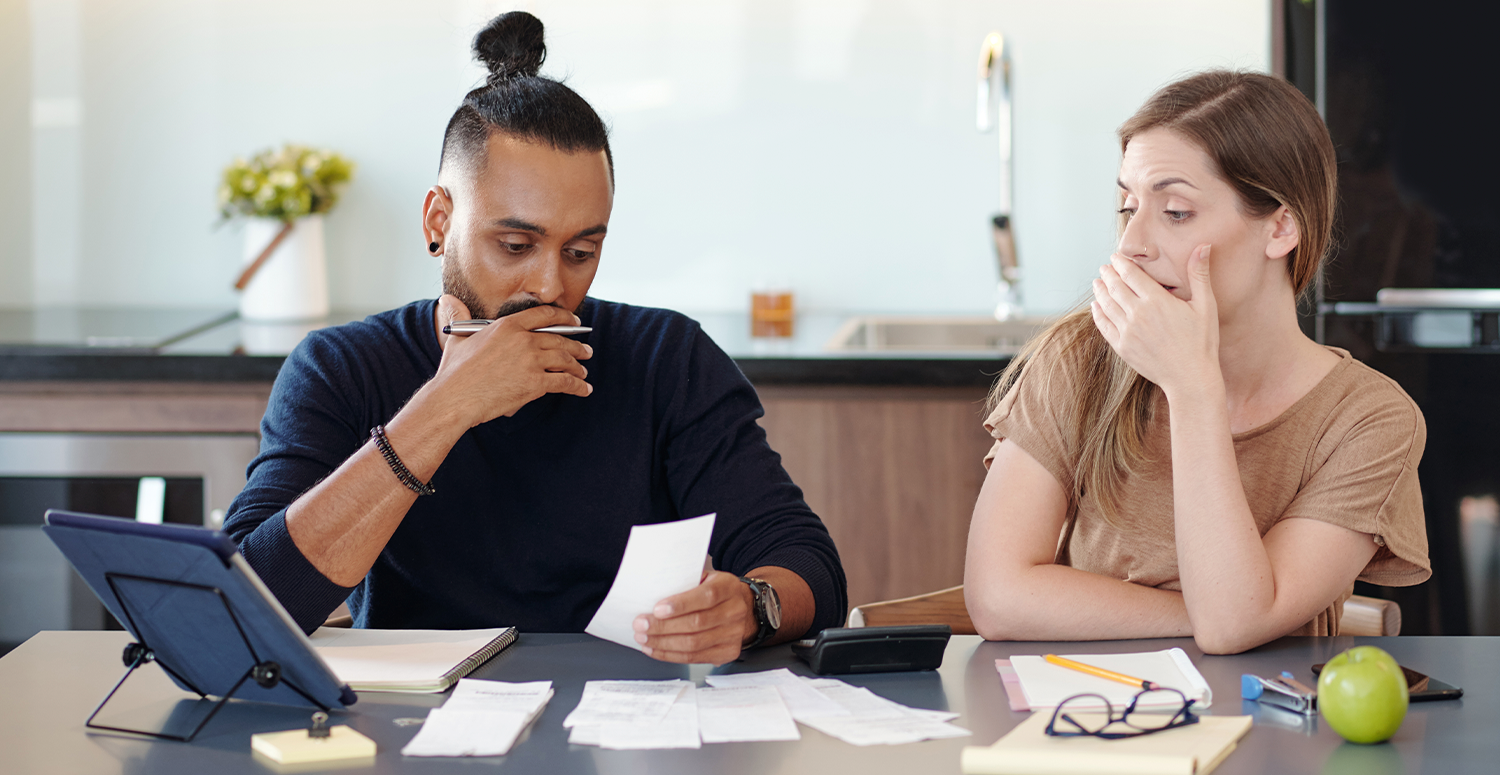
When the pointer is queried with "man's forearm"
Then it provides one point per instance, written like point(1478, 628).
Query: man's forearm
point(343, 523)
point(798, 606)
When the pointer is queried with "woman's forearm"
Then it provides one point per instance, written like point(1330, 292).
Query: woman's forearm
point(1228, 584)
point(1056, 602)
point(1014, 591)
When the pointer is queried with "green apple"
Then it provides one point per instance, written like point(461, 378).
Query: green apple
point(1362, 695)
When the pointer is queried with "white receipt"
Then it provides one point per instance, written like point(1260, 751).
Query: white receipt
point(678, 729)
point(585, 734)
point(660, 561)
point(631, 702)
point(467, 733)
point(802, 699)
point(478, 694)
point(885, 731)
point(733, 714)
point(482, 718)
point(859, 701)
point(875, 720)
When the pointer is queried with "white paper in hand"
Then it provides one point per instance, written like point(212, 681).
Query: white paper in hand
point(660, 561)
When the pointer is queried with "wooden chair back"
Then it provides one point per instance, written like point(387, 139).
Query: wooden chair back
point(944, 607)
point(1370, 616)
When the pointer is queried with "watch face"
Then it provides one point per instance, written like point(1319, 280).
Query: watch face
point(772, 606)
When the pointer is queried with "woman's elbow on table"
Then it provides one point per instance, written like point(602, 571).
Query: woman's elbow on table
point(1227, 636)
point(996, 606)
point(1221, 643)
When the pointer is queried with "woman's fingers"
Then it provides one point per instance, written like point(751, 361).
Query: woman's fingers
point(1121, 290)
point(1132, 276)
point(1106, 327)
point(1198, 276)
point(1109, 298)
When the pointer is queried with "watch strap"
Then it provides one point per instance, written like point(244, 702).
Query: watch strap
point(761, 592)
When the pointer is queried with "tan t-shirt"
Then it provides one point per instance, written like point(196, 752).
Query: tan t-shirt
point(1346, 453)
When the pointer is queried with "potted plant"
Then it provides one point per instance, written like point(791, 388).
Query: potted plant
point(283, 194)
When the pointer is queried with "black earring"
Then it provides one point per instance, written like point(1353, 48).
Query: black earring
point(432, 247)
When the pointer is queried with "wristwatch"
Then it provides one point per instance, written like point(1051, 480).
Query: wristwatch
point(767, 610)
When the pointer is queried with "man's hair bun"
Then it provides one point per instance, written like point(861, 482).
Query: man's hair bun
point(511, 46)
point(516, 100)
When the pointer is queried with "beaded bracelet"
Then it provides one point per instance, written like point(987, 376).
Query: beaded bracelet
point(406, 476)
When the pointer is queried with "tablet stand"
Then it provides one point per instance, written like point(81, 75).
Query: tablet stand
point(265, 673)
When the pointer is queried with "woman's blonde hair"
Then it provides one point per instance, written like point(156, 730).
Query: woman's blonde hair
point(1266, 140)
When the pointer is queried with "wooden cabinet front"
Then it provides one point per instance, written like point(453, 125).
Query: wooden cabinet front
point(893, 472)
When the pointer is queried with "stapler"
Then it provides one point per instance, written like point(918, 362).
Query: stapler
point(1283, 692)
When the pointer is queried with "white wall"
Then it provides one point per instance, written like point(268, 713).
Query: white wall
point(15, 154)
point(829, 143)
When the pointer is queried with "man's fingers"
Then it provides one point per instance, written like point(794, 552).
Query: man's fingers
point(716, 588)
point(703, 624)
point(688, 624)
point(717, 644)
point(541, 317)
point(579, 351)
point(697, 643)
point(723, 654)
point(449, 309)
point(558, 382)
point(561, 363)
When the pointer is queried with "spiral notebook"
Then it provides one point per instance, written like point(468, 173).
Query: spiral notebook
point(416, 661)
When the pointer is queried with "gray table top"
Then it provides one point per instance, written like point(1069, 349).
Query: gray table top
point(51, 683)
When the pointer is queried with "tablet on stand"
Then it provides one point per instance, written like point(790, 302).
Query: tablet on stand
point(196, 609)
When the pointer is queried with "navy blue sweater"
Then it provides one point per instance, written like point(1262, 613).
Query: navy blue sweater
point(532, 511)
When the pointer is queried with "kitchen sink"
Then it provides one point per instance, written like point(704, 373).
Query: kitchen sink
point(935, 334)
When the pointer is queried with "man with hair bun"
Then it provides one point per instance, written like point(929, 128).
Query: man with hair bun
point(444, 481)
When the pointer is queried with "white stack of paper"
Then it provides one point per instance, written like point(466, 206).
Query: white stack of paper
point(745, 707)
point(802, 700)
point(481, 718)
point(875, 720)
point(739, 714)
point(635, 715)
point(677, 729)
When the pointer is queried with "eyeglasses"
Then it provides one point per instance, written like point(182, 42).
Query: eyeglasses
point(1068, 720)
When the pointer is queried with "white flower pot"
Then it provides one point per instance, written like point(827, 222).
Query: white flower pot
point(293, 283)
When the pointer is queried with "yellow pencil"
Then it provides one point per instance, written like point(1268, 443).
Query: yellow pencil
point(1100, 672)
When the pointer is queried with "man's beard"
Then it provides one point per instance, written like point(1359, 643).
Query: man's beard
point(457, 286)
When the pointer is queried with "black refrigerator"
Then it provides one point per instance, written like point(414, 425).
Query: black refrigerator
point(1413, 285)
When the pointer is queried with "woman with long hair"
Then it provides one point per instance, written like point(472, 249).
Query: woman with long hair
point(1180, 458)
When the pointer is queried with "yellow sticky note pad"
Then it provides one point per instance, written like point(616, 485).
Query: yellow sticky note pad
point(295, 747)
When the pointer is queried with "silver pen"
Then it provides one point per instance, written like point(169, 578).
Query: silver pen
point(466, 327)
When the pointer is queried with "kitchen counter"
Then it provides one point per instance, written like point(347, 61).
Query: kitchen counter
point(885, 445)
point(207, 345)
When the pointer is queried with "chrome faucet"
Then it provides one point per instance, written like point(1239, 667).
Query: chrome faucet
point(994, 87)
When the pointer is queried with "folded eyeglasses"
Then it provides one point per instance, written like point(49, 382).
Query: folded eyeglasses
point(1147, 713)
